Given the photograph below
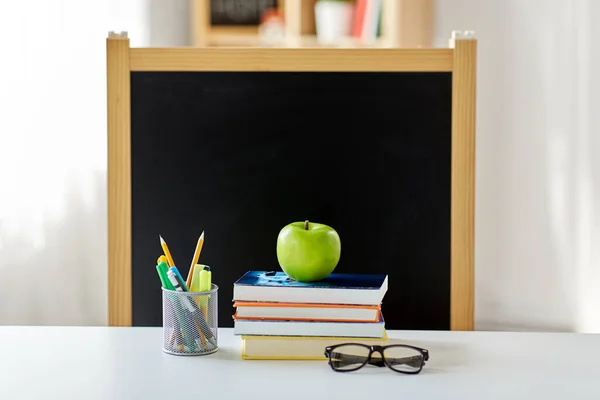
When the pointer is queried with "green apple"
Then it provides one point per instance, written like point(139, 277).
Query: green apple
point(308, 251)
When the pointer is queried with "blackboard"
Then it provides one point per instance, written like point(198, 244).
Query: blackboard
point(239, 12)
point(241, 154)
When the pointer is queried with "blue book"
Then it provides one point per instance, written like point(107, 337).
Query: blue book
point(272, 286)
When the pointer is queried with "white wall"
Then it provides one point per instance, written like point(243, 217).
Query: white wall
point(53, 233)
point(538, 183)
point(537, 265)
point(169, 23)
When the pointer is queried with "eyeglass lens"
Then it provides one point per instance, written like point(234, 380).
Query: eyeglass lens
point(403, 359)
point(349, 357)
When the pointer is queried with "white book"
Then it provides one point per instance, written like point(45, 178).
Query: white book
point(307, 328)
point(306, 311)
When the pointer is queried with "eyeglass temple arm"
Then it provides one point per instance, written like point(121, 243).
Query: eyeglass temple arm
point(413, 361)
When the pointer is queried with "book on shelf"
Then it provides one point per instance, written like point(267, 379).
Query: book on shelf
point(309, 328)
point(265, 286)
point(366, 24)
point(251, 310)
point(297, 347)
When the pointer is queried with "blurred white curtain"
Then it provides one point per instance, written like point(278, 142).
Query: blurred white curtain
point(538, 174)
point(53, 230)
point(53, 233)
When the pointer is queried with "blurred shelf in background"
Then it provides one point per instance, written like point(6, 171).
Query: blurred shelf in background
point(237, 23)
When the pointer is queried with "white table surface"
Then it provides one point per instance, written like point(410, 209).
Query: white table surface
point(128, 363)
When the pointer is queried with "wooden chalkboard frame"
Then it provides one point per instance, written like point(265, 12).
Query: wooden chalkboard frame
point(460, 60)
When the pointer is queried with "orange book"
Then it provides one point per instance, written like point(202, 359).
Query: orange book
point(248, 310)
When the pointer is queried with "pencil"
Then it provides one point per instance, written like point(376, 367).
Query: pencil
point(195, 259)
point(167, 252)
point(190, 278)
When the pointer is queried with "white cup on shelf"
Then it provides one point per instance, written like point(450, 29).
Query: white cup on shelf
point(333, 20)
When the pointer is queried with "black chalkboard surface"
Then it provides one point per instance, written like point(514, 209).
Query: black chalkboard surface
point(241, 154)
point(239, 12)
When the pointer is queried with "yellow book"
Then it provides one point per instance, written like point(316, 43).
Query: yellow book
point(296, 347)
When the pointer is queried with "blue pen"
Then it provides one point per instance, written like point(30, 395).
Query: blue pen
point(180, 279)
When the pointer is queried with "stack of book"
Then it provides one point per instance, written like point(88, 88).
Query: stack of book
point(280, 318)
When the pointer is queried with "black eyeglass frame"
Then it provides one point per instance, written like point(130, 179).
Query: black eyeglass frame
point(379, 362)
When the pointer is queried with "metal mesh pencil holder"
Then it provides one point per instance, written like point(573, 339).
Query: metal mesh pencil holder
point(190, 322)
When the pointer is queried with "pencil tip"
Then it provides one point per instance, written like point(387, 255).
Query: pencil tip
point(202, 235)
point(161, 239)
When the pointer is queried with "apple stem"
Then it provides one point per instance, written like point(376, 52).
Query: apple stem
point(306, 225)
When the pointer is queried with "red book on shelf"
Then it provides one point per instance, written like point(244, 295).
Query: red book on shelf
point(359, 18)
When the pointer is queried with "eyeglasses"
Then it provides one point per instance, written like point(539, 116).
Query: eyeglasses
point(398, 357)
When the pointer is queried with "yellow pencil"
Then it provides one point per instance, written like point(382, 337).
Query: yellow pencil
point(195, 259)
point(190, 278)
point(167, 252)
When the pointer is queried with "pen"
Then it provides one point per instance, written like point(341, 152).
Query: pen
point(184, 287)
point(176, 281)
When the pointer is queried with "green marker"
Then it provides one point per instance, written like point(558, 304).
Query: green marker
point(162, 269)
